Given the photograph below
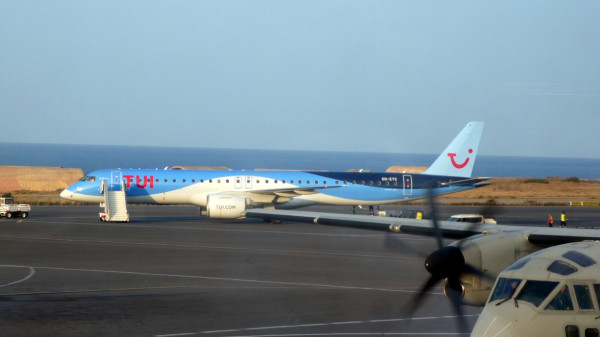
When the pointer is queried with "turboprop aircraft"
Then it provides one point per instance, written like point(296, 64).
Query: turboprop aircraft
point(228, 194)
point(535, 265)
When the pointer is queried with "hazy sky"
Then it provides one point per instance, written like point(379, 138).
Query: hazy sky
point(384, 76)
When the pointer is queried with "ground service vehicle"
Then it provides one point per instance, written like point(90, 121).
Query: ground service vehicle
point(9, 209)
point(471, 218)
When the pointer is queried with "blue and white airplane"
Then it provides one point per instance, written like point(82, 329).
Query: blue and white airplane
point(228, 193)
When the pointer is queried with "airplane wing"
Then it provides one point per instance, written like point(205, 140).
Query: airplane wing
point(479, 182)
point(291, 192)
point(449, 229)
point(541, 236)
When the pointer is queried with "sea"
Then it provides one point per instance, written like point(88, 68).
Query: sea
point(94, 157)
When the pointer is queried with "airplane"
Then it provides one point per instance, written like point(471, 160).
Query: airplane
point(491, 264)
point(227, 194)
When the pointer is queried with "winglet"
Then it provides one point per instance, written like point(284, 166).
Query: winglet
point(458, 158)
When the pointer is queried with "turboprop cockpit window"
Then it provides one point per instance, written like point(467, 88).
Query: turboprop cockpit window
point(562, 300)
point(505, 288)
point(536, 292)
point(561, 268)
point(579, 258)
point(519, 264)
point(584, 298)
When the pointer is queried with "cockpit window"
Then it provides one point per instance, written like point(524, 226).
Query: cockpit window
point(88, 178)
point(579, 258)
point(505, 288)
point(562, 300)
point(584, 299)
point(597, 291)
point(519, 264)
point(536, 291)
point(561, 268)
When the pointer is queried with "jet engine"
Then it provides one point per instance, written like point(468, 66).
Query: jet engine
point(224, 206)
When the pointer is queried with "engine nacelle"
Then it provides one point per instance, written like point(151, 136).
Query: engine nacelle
point(224, 206)
point(491, 254)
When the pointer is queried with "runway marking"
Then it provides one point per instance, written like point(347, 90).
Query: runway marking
point(179, 245)
point(31, 273)
point(312, 325)
point(212, 278)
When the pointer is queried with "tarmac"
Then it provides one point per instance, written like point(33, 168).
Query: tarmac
point(171, 272)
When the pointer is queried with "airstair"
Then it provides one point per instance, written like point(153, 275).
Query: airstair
point(115, 199)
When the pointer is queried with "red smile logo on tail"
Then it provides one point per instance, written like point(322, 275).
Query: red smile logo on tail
point(455, 164)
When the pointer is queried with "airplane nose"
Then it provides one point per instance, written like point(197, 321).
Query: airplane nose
point(66, 194)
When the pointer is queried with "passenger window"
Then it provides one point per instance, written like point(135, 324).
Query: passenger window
point(536, 292)
point(571, 331)
point(562, 300)
point(584, 299)
point(157, 179)
point(505, 288)
point(184, 180)
point(166, 180)
point(592, 332)
point(174, 180)
point(194, 181)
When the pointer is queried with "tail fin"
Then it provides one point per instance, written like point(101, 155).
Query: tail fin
point(458, 158)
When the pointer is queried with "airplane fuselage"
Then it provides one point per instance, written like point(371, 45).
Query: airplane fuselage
point(283, 189)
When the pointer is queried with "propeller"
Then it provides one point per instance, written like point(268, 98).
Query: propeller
point(446, 263)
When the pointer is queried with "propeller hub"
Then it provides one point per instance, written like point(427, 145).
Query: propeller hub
point(446, 262)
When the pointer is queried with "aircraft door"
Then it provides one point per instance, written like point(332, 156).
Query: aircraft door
point(248, 182)
point(407, 184)
point(238, 182)
point(115, 181)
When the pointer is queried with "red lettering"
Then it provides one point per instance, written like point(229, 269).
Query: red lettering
point(137, 182)
point(128, 178)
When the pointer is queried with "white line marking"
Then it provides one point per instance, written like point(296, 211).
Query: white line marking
point(332, 324)
point(212, 278)
point(31, 273)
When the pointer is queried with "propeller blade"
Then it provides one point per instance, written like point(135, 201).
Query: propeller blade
point(433, 210)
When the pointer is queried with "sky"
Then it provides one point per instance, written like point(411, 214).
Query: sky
point(369, 76)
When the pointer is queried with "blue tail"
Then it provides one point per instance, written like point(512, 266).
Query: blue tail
point(458, 158)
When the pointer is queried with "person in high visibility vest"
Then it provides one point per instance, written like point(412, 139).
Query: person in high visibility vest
point(550, 220)
point(419, 215)
point(563, 220)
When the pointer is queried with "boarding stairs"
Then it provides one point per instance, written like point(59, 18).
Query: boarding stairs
point(115, 202)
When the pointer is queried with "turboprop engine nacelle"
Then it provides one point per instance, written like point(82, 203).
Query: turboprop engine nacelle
point(224, 206)
point(491, 254)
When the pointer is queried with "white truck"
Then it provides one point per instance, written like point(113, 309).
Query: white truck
point(9, 209)
point(472, 218)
